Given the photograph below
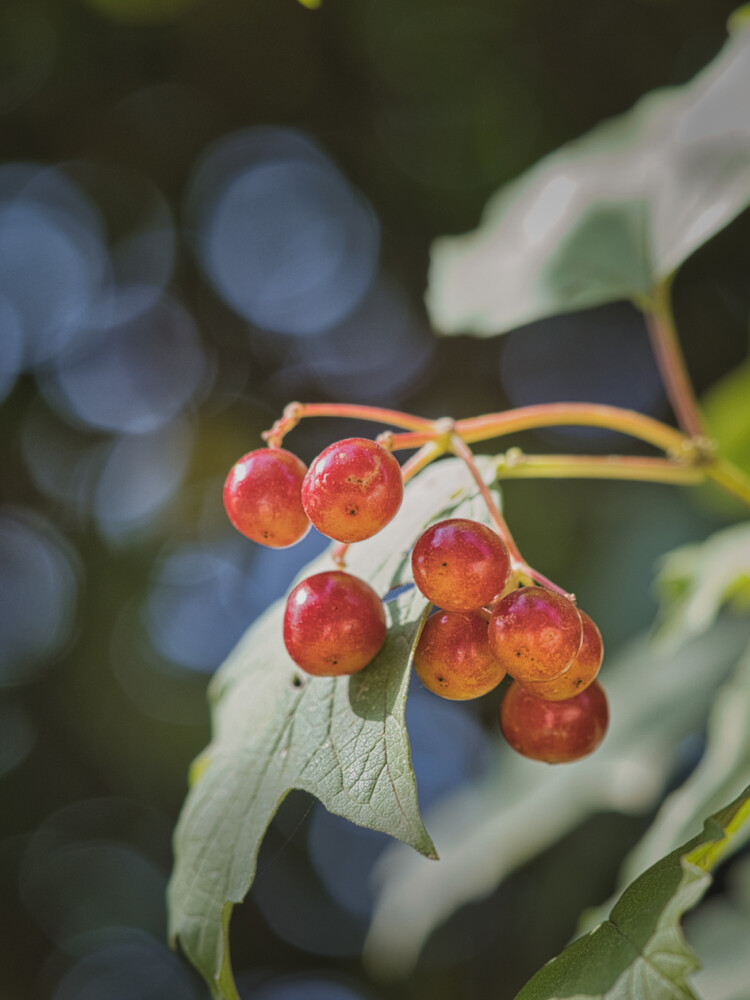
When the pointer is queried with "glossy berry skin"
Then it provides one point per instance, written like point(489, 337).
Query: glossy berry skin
point(453, 656)
point(581, 673)
point(352, 489)
point(554, 731)
point(334, 624)
point(535, 633)
point(460, 565)
point(262, 497)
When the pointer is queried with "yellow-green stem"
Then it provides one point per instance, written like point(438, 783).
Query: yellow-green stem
point(517, 465)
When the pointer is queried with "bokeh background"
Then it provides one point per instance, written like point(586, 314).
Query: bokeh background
point(209, 208)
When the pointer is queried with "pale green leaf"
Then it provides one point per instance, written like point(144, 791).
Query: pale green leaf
point(696, 581)
point(609, 216)
point(489, 828)
point(641, 951)
point(276, 729)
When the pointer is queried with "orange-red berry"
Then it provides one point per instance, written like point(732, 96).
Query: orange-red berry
point(352, 489)
point(581, 673)
point(262, 497)
point(554, 731)
point(535, 633)
point(460, 565)
point(453, 656)
point(334, 623)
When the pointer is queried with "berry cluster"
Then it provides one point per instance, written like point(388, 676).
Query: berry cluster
point(487, 625)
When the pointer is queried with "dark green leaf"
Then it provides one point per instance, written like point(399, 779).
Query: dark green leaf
point(641, 950)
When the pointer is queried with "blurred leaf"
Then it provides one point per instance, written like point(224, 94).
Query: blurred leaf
point(727, 414)
point(723, 771)
point(641, 950)
point(342, 739)
point(695, 581)
point(719, 932)
point(609, 216)
point(522, 807)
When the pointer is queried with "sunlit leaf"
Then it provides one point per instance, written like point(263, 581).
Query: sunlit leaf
point(609, 216)
point(521, 807)
point(695, 581)
point(275, 729)
point(641, 951)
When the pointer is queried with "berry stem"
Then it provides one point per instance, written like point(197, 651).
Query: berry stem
point(671, 360)
point(514, 464)
point(525, 572)
point(294, 412)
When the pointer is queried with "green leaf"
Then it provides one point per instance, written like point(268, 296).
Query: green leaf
point(723, 771)
point(610, 216)
point(641, 950)
point(696, 581)
point(520, 807)
point(276, 729)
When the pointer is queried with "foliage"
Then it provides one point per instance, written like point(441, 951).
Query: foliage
point(342, 739)
point(641, 951)
point(486, 830)
point(610, 216)
point(697, 580)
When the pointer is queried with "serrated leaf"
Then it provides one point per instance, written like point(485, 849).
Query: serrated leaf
point(610, 216)
point(696, 581)
point(275, 729)
point(641, 950)
point(521, 807)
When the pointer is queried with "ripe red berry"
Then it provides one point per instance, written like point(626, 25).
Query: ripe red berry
point(352, 489)
point(460, 565)
point(453, 656)
point(535, 633)
point(554, 731)
point(262, 497)
point(334, 623)
point(581, 673)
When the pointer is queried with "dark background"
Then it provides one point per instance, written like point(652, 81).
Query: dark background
point(209, 208)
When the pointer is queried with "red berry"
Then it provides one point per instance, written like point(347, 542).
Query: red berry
point(583, 671)
point(262, 497)
point(554, 731)
point(453, 656)
point(352, 489)
point(535, 633)
point(460, 565)
point(334, 623)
